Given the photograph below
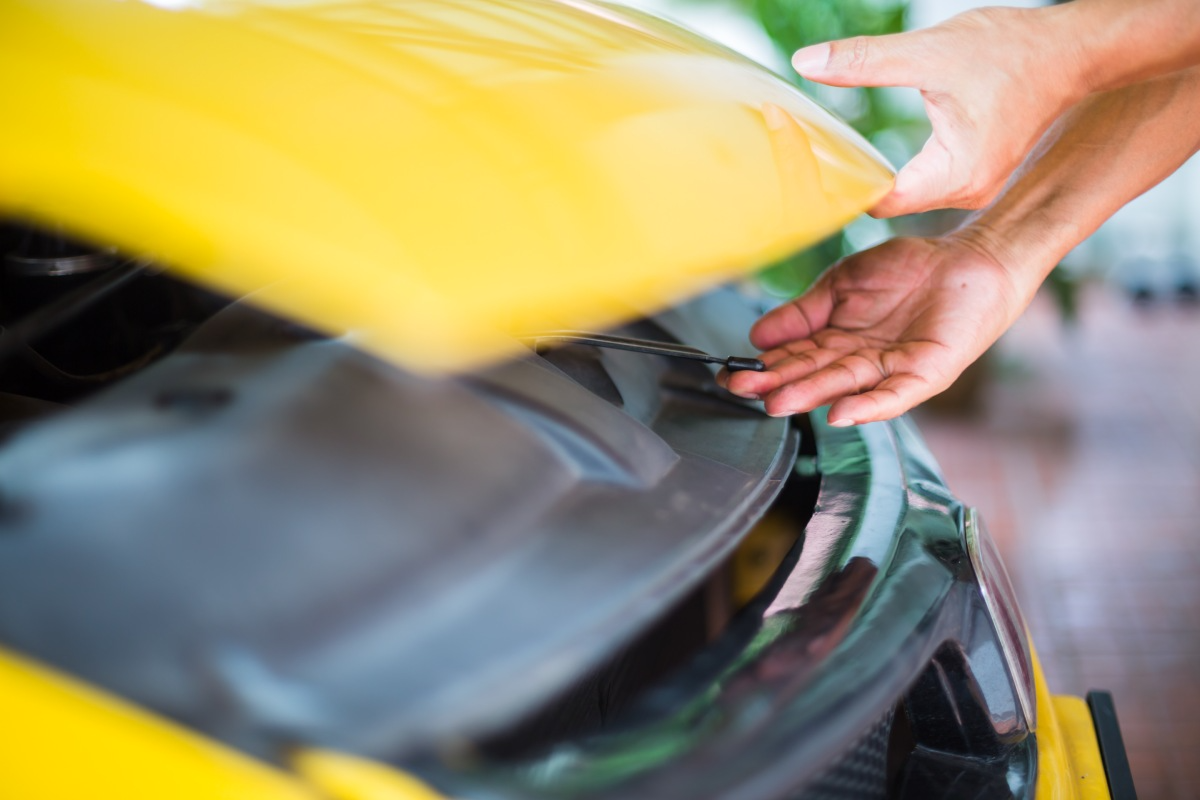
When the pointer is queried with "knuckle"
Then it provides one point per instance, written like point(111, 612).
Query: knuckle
point(861, 365)
point(798, 347)
point(802, 360)
point(983, 19)
point(845, 369)
point(898, 400)
point(852, 55)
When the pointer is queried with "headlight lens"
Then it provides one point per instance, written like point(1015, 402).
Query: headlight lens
point(1001, 601)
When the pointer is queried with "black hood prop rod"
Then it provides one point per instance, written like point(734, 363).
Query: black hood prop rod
point(644, 346)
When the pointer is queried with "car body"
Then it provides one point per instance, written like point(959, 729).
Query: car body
point(307, 515)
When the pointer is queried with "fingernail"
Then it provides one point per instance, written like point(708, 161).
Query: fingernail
point(841, 423)
point(812, 59)
point(779, 413)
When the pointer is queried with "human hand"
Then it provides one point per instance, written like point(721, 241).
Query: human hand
point(882, 330)
point(992, 80)
point(887, 328)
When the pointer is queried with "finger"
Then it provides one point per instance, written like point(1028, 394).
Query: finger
point(793, 361)
point(846, 376)
point(802, 365)
point(755, 384)
point(785, 351)
point(891, 398)
point(794, 321)
point(752, 385)
point(898, 59)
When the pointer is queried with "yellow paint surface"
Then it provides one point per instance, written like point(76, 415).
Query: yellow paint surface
point(1069, 763)
point(344, 777)
point(433, 176)
point(62, 740)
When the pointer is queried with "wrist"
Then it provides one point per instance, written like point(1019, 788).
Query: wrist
point(1082, 58)
point(1097, 157)
point(1024, 244)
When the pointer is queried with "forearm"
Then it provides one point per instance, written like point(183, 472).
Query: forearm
point(1106, 151)
point(1118, 42)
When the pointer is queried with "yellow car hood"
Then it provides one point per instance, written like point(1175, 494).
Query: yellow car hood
point(432, 177)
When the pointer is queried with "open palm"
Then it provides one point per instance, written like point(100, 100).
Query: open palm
point(881, 331)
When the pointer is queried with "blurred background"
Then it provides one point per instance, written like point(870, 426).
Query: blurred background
point(1078, 435)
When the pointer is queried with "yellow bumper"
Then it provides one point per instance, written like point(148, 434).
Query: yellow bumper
point(1070, 766)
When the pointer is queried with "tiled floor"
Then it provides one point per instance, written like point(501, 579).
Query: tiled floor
point(1084, 458)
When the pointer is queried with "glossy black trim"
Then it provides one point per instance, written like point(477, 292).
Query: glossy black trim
point(876, 610)
point(1112, 745)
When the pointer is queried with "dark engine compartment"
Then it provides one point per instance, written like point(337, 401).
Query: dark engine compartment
point(273, 537)
point(110, 333)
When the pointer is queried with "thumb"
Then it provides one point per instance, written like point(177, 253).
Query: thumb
point(921, 185)
point(893, 60)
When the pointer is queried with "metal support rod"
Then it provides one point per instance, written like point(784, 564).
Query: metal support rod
point(668, 349)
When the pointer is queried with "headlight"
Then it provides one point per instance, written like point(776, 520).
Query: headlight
point(1001, 603)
